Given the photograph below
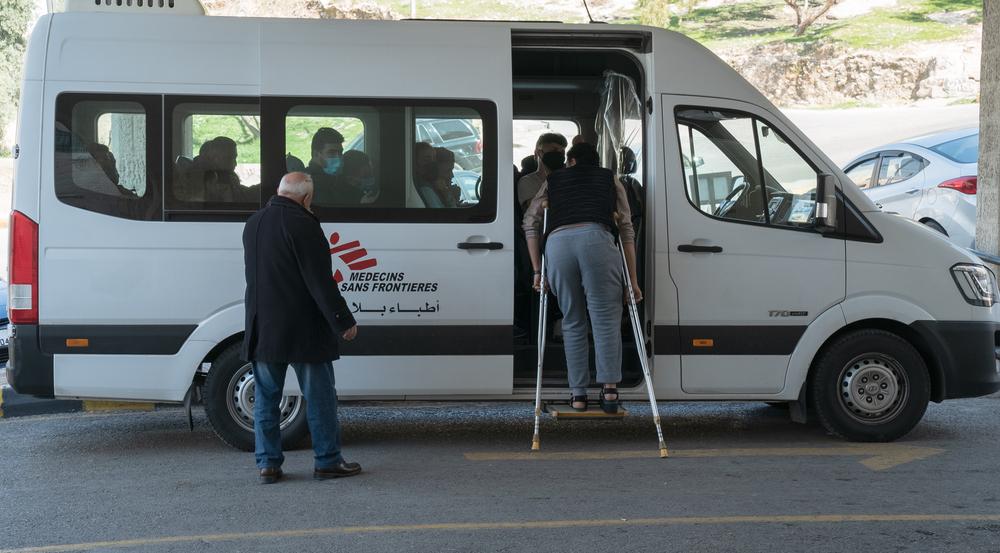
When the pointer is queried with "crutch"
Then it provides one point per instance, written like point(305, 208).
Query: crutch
point(640, 347)
point(543, 309)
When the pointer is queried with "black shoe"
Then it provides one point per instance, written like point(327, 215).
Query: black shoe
point(340, 470)
point(578, 399)
point(610, 406)
point(270, 475)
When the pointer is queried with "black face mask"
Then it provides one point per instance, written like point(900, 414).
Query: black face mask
point(554, 160)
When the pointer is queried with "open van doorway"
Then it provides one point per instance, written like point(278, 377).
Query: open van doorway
point(565, 90)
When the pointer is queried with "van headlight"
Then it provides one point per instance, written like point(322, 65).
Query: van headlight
point(977, 284)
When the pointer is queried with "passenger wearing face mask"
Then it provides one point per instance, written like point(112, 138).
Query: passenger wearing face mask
point(550, 152)
point(325, 168)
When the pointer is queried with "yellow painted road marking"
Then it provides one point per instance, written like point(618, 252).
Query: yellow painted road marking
point(878, 456)
point(512, 525)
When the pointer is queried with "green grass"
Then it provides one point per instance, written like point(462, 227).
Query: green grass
point(765, 21)
point(298, 134)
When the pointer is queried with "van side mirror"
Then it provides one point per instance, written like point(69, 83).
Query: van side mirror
point(826, 202)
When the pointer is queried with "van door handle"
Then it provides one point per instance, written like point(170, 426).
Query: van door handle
point(480, 245)
point(913, 191)
point(691, 248)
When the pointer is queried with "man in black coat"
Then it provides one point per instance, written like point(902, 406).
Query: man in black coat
point(294, 312)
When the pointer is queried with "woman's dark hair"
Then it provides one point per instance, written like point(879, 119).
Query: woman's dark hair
point(584, 154)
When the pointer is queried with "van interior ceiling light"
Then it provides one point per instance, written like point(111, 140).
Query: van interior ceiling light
point(977, 284)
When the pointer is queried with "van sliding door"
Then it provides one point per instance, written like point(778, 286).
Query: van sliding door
point(413, 188)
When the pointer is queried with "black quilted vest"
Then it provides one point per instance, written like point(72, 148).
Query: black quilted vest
point(582, 194)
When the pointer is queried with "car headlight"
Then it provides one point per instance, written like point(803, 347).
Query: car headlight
point(977, 284)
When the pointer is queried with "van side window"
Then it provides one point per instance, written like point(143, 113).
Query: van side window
point(720, 167)
point(392, 160)
point(106, 154)
point(213, 157)
point(790, 180)
point(737, 166)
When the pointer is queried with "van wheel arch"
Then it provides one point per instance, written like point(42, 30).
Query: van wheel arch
point(210, 357)
point(933, 364)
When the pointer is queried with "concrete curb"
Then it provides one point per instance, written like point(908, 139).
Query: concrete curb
point(13, 404)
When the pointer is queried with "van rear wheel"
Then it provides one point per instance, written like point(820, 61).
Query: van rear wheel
point(229, 398)
point(870, 386)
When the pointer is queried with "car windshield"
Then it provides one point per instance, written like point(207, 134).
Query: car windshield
point(962, 150)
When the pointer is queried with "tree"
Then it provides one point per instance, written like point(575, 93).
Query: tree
point(665, 13)
point(807, 12)
point(988, 194)
point(14, 18)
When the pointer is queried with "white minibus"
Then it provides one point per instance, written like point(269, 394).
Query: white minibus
point(148, 133)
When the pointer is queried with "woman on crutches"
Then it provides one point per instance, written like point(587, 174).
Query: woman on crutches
point(583, 266)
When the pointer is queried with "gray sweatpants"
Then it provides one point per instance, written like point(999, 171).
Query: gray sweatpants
point(584, 269)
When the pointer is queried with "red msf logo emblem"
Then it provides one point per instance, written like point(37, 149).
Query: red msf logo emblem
point(350, 254)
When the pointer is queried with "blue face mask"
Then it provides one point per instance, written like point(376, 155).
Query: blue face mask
point(332, 166)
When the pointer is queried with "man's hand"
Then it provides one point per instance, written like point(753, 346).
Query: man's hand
point(350, 333)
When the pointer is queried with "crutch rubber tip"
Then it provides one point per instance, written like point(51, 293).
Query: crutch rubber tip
point(536, 444)
point(663, 453)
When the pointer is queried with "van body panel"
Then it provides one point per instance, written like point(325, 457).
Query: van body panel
point(112, 55)
point(131, 377)
point(27, 166)
point(34, 55)
point(757, 295)
point(910, 253)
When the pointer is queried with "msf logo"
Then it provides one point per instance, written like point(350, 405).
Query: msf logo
point(350, 256)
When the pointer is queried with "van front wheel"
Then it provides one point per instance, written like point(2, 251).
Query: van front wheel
point(229, 398)
point(870, 386)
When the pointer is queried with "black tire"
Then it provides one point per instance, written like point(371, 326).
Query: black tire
point(228, 414)
point(870, 386)
point(934, 225)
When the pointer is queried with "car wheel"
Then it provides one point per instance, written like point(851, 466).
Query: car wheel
point(934, 225)
point(229, 398)
point(870, 386)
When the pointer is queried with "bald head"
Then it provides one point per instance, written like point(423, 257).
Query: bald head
point(297, 186)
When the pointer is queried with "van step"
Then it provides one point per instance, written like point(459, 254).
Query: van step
point(563, 411)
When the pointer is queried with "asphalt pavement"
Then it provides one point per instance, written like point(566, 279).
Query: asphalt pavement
point(460, 477)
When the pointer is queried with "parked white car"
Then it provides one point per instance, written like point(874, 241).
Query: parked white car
point(930, 179)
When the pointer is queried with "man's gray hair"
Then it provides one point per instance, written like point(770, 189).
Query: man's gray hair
point(296, 185)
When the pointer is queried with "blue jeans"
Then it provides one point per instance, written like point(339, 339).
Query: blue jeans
point(584, 269)
point(317, 384)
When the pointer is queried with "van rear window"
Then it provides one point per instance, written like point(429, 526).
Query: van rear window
point(107, 154)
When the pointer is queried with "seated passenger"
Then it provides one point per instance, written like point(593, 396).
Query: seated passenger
point(441, 191)
point(213, 177)
point(325, 168)
point(425, 173)
point(358, 176)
